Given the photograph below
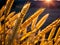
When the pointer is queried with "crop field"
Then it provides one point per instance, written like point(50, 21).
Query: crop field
point(27, 28)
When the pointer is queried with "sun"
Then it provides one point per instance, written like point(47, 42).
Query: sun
point(48, 2)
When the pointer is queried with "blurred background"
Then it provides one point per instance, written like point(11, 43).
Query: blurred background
point(52, 7)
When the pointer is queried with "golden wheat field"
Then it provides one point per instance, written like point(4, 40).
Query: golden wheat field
point(13, 31)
